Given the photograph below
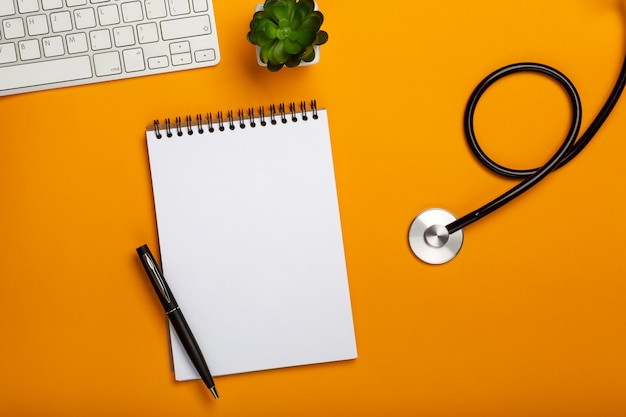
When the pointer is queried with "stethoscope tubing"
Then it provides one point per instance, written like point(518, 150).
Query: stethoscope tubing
point(566, 152)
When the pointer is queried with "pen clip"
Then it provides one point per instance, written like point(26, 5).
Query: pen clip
point(156, 277)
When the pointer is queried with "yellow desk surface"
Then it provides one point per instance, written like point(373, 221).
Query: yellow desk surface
point(528, 320)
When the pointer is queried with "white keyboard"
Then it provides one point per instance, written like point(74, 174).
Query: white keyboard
point(48, 44)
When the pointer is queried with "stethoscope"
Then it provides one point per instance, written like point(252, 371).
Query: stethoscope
point(436, 235)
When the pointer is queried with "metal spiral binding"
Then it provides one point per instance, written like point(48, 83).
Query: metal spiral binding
point(179, 130)
point(157, 131)
point(220, 121)
point(240, 117)
point(168, 128)
point(251, 117)
point(262, 116)
point(314, 108)
point(199, 123)
point(231, 122)
point(188, 123)
point(303, 111)
point(273, 114)
point(292, 110)
point(210, 118)
point(242, 120)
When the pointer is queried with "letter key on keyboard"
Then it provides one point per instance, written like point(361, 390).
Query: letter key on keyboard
point(47, 44)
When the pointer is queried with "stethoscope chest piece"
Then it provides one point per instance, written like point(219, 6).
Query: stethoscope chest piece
point(429, 238)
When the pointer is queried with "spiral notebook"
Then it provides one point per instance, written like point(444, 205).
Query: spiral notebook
point(250, 238)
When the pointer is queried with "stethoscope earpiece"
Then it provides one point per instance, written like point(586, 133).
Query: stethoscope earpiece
point(429, 238)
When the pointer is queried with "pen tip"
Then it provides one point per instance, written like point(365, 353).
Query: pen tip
point(214, 392)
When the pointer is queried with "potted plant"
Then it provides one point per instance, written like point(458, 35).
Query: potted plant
point(287, 33)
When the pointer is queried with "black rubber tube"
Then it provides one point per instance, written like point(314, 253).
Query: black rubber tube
point(568, 150)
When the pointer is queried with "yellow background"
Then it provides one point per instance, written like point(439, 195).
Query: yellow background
point(528, 320)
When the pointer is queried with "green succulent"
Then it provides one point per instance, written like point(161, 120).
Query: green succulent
point(286, 32)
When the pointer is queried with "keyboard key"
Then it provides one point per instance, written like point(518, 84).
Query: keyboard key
point(179, 47)
point(61, 21)
point(6, 8)
point(147, 33)
point(108, 15)
point(26, 6)
point(181, 59)
point(37, 25)
point(29, 49)
point(185, 27)
point(200, 6)
point(124, 36)
point(205, 55)
point(107, 63)
point(45, 72)
point(53, 46)
point(72, 3)
point(13, 28)
point(155, 9)
point(84, 19)
point(51, 4)
point(7, 53)
point(132, 12)
point(100, 39)
point(133, 60)
point(77, 43)
point(179, 7)
point(158, 62)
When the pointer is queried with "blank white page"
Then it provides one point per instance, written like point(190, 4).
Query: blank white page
point(251, 245)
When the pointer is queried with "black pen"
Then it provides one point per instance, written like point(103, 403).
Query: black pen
point(176, 316)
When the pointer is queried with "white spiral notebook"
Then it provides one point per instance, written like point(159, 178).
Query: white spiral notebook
point(250, 238)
